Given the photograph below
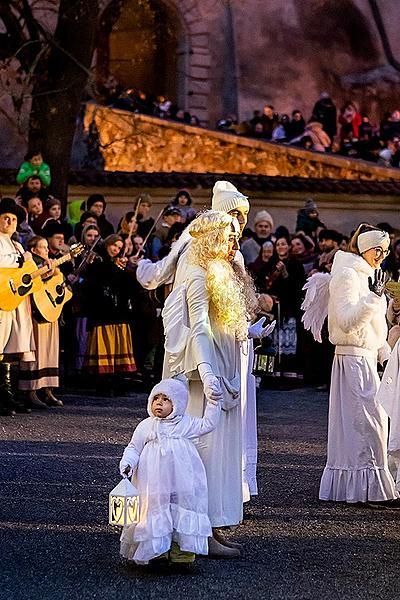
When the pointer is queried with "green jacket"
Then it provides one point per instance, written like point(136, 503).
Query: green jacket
point(27, 170)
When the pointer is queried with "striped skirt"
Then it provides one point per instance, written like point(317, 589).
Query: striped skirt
point(43, 372)
point(109, 350)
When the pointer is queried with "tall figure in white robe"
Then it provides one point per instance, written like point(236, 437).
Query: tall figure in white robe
point(203, 342)
point(357, 468)
point(172, 270)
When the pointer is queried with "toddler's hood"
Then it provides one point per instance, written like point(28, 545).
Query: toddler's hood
point(178, 393)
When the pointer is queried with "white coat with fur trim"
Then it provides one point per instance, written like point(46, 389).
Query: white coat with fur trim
point(356, 316)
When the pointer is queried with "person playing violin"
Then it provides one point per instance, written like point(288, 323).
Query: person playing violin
point(109, 308)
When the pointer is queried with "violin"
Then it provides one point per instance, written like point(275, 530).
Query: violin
point(120, 262)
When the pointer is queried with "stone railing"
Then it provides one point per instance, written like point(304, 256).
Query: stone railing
point(134, 142)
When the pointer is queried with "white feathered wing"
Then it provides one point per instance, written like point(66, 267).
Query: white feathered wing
point(315, 304)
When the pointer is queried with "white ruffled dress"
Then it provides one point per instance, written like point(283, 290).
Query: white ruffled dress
point(172, 485)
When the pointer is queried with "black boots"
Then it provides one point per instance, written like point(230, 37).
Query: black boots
point(8, 405)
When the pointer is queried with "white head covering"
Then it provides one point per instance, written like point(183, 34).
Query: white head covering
point(176, 391)
point(373, 239)
point(226, 197)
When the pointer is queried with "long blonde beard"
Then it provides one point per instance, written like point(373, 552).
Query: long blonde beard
point(232, 297)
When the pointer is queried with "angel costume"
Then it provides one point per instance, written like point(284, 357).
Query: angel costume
point(357, 468)
point(192, 338)
point(173, 269)
point(170, 478)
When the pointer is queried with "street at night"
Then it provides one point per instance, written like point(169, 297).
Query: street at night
point(59, 466)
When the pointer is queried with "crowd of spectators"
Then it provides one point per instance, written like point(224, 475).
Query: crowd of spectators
point(107, 295)
point(347, 131)
point(109, 309)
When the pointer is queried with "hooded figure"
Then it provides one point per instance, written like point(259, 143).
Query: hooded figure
point(170, 477)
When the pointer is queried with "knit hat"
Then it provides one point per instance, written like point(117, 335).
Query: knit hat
point(373, 239)
point(310, 206)
point(176, 391)
point(226, 197)
point(263, 215)
point(93, 198)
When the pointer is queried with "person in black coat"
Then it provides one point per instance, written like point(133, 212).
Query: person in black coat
point(108, 305)
point(96, 204)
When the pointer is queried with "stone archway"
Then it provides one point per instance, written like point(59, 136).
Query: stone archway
point(187, 76)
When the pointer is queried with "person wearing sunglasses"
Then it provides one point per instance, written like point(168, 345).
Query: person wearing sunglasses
point(357, 469)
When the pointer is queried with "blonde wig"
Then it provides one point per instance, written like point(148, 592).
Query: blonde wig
point(230, 288)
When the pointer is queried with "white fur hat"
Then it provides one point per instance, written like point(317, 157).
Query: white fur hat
point(177, 392)
point(226, 197)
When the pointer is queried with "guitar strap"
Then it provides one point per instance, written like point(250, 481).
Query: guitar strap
point(20, 258)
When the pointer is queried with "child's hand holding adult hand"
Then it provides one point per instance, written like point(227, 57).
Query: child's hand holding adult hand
point(212, 389)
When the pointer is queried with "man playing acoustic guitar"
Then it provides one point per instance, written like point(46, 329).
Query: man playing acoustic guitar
point(16, 336)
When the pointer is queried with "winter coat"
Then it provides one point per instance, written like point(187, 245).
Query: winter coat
point(356, 316)
point(107, 293)
point(306, 224)
point(26, 170)
point(287, 289)
point(320, 139)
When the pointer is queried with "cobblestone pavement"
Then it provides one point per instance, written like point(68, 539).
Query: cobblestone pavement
point(58, 466)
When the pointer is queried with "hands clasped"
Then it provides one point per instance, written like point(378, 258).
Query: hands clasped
point(212, 389)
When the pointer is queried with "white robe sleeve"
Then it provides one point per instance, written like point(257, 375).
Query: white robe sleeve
point(199, 348)
point(352, 312)
point(151, 275)
point(134, 449)
point(201, 426)
point(9, 256)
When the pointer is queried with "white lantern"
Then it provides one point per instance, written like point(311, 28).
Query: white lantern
point(123, 504)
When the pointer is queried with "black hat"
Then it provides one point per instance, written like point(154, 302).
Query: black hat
point(95, 198)
point(8, 205)
point(172, 210)
point(52, 227)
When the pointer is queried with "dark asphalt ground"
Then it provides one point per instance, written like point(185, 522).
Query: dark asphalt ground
point(58, 467)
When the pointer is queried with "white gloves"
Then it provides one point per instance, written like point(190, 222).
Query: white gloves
point(258, 331)
point(211, 385)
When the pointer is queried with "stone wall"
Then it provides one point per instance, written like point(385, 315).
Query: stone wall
point(132, 142)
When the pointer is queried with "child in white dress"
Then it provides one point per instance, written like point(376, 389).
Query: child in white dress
point(170, 477)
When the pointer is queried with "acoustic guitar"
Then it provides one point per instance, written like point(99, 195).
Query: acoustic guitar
point(49, 301)
point(17, 283)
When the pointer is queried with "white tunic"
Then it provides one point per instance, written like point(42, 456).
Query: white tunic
point(356, 469)
point(172, 486)
point(16, 333)
point(193, 337)
point(173, 268)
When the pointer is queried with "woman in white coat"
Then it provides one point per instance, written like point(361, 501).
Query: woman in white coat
point(205, 322)
point(357, 469)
